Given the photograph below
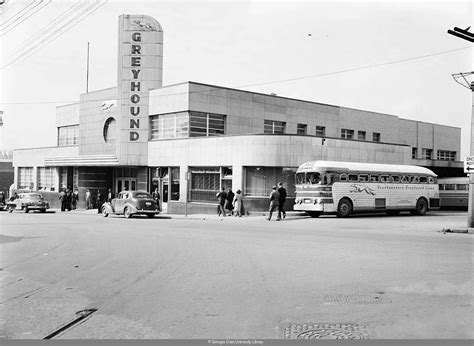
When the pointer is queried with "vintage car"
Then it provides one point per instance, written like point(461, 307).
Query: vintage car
point(2, 200)
point(28, 201)
point(129, 203)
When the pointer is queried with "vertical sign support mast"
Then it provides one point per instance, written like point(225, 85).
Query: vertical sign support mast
point(87, 71)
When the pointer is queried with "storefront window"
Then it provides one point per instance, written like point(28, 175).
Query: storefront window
point(45, 176)
point(25, 177)
point(259, 180)
point(205, 184)
point(174, 184)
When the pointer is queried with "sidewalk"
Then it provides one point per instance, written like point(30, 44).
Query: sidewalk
point(252, 215)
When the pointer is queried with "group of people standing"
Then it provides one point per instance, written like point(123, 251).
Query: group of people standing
point(277, 202)
point(68, 199)
point(229, 203)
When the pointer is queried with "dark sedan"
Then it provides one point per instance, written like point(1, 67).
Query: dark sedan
point(130, 203)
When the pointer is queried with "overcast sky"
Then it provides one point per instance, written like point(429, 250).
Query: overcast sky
point(244, 45)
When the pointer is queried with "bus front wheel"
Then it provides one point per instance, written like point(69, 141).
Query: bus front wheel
point(421, 207)
point(344, 208)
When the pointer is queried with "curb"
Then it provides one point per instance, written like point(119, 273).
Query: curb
point(466, 230)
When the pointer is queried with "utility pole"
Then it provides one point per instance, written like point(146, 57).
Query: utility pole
point(87, 70)
point(468, 36)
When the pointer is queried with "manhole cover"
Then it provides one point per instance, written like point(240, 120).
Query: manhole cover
point(326, 331)
point(356, 298)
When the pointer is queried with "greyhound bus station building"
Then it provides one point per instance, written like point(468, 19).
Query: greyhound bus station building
point(190, 139)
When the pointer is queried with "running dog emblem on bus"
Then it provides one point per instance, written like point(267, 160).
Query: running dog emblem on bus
point(362, 188)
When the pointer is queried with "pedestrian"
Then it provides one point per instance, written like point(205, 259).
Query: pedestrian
point(222, 198)
point(281, 202)
point(110, 196)
point(62, 198)
point(99, 201)
point(238, 203)
point(75, 199)
point(229, 201)
point(274, 200)
point(156, 196)
point(68, 199)
point(88, 199)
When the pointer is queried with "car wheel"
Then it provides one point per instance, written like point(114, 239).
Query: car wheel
point(127, 213)
point(344, 208)
point(421, 207)
point(104, 212)
point(150, 216)
point(42, 210)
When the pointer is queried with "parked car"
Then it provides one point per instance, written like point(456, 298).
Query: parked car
point(28, 201)
point(130, 203)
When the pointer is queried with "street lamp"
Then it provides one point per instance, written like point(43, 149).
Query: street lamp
point(468, 36)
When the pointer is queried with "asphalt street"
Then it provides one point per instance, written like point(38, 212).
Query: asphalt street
point(387, 277)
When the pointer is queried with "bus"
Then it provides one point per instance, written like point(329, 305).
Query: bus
point(345, 188)
point(454, 193)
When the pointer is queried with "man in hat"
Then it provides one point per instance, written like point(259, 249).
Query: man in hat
point(274, 201)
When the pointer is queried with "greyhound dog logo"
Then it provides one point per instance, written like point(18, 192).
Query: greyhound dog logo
point(361, 188)
point(144, 25)
point(108, 104)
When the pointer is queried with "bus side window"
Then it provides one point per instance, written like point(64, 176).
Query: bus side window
point(441, 187)
point(450, 187)
point(395, 178)
point(384, 178)
point(363, 177)
point(423, 180)
point(415, 180)
point(374, 178)
point(461, 187)
point(431, 180)
point(343, 177)
point(404, 179)
point(352, 177)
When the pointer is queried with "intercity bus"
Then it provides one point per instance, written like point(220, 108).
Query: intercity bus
point(345, 188)
point(453, 192)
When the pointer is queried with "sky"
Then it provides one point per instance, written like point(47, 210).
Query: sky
point(343, 53)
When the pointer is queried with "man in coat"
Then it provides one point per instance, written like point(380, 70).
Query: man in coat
point(221, 197)
point(281, 210)
point(274, 201)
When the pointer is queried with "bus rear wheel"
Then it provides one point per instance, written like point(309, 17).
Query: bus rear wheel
point(421, 207)
point(344, 209)
point(314, 214)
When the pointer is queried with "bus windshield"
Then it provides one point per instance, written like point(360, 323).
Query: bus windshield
point(300, 178)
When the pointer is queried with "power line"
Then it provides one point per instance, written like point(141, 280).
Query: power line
point(12, 26)
point(42, 33)
point(54, 35)
point(270, 82)
point(23, 9)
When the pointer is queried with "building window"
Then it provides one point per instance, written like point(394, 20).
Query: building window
point(347, 134)
point(45, 176)
point(205, 184)
point(414, 153)
point(376, 137)
point(173, 125)
point(427, 154)
point(25, 178)
point(68, 135)
point(446, 155)
point(205, 124)
point(320, 131)
point(110, 131)
point(361, 135)
point(301, 129)
point(174, 184)
point(273, 126)
point(259, 180)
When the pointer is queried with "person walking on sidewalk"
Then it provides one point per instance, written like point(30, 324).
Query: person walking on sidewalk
point(281, 202)
point(238, 203)
point(229, 201)
point(88, 199)
point(99, 202)
point(274, 200)
point(221, 197)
